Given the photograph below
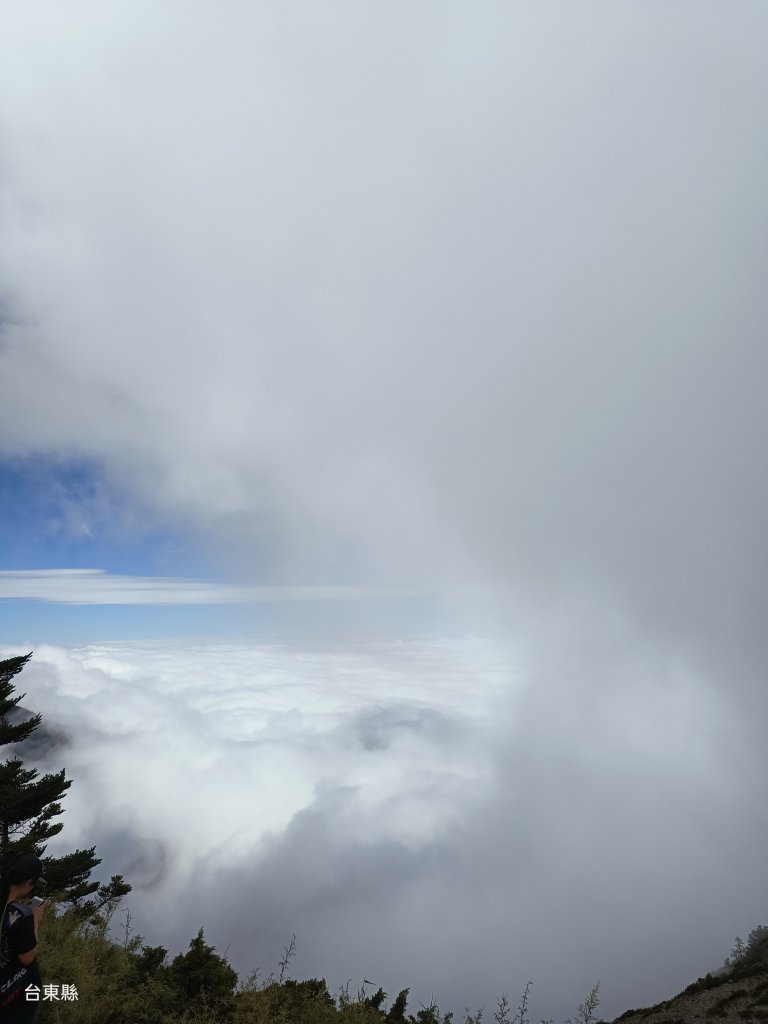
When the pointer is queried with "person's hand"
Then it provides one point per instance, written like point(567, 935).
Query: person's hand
point(38, 912)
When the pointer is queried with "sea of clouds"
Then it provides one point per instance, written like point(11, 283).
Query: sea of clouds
point(420, 813)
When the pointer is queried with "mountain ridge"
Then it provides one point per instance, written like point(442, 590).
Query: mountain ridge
point(737, 993)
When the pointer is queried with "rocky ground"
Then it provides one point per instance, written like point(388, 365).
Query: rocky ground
point(739, 994)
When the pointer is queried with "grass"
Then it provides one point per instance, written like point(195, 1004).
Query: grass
point(124, 981)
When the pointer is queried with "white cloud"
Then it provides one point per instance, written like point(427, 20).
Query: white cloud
point(428, 810)
point(95, 586)
point(431, 293)
point(418, 299)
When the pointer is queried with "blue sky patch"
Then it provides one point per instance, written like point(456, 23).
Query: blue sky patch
point(69, 514)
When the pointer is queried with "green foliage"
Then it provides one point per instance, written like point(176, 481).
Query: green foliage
point(129, 982)
point(29, 803)
point(376, 999)
point(757, 942)
point(738, 951)
point(748, 958)
point(702, 984)
point(396, 1013)
point(147, 963)
point(431, 1015)
point(286, 1001)
point(201, 973)
point(13, 733)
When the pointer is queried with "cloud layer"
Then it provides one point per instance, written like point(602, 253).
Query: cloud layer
point(424, 300)
point(388, 297)
point(95, 586)
point(431, 811)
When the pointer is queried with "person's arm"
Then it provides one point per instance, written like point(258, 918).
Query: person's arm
point(26, 958)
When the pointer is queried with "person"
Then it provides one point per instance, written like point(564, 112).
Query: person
point(19, 969)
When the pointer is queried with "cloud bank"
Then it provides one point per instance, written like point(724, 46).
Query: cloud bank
point(95, 586)
point(390, 298)
point(432, 811)
point(430, 299)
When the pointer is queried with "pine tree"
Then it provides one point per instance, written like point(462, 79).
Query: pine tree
point(202, 972)
point(29, 803)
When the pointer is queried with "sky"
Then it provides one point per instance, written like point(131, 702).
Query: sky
point(381, 455)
